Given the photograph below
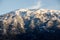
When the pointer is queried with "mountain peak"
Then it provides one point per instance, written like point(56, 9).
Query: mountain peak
point(29, 18)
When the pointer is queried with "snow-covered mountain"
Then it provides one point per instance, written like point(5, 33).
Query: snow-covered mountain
point(25, 20)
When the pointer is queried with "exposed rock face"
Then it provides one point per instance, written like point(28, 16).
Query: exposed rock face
point(24, 20)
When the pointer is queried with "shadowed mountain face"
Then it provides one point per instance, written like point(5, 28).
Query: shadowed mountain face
point(30, 24)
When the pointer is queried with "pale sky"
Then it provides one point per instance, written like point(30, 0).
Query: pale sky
point(11, 5)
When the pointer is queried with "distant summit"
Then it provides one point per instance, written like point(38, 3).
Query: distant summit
point(23, 20)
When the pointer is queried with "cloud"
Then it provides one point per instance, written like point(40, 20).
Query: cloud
point(36, 6)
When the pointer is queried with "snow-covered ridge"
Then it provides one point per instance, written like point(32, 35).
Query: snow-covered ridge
point(24, 19)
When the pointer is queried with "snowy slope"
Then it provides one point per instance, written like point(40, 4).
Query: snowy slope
point(24, 20)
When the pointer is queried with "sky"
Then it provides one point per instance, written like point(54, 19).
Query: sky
point(10, 5)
